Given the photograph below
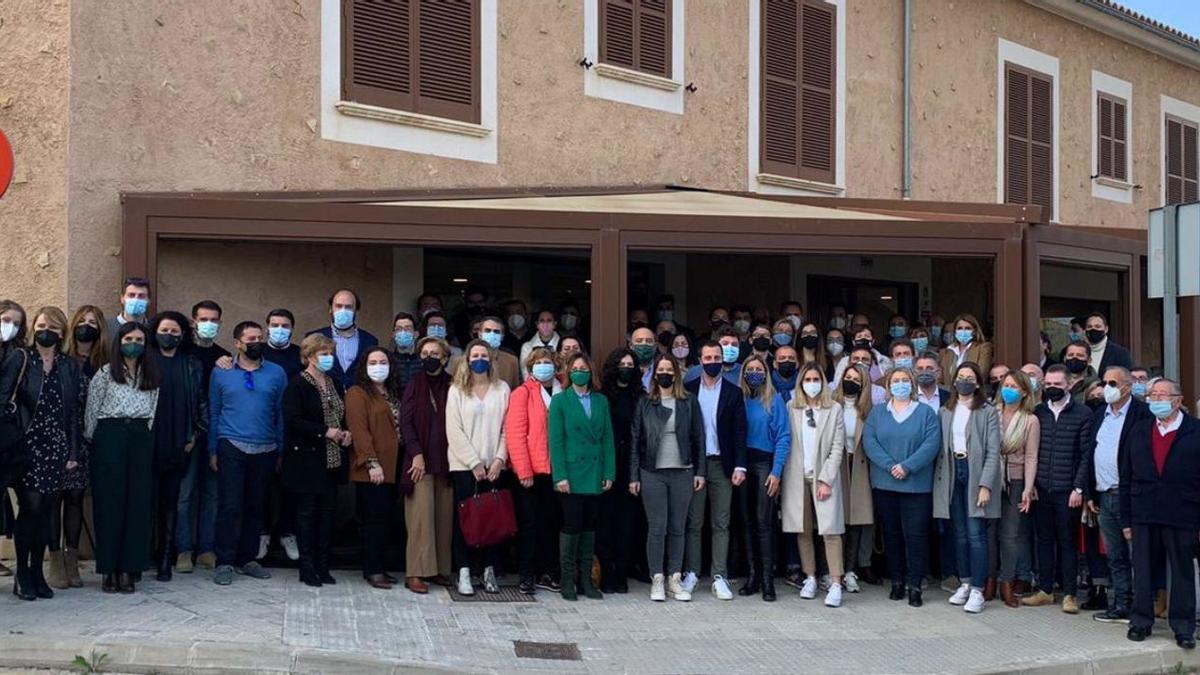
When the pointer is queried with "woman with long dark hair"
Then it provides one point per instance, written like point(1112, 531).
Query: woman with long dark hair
point(622, 520)
point(12, 337)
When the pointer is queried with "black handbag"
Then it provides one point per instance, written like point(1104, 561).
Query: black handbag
point(13, 457)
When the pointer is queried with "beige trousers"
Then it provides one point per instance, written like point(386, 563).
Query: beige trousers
point(429, 517)
point(808, 552)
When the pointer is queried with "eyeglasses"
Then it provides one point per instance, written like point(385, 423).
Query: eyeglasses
point(248, 379)
point(811, 420)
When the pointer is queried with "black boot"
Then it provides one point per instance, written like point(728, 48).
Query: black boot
point(914, 597)
point(608, 578)
point(1097, 598)
point(21, 586)
point(752, 584)
point(587, 544)
point(308, 574)
point(768, 583)
point(568, 546)
point(110, 584)
point(166, 535)
point(897, 591)
point(321, 561)
point(37, 578)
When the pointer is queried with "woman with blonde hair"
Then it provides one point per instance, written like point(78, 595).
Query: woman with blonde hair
point(968, 345)
point(856, 476)
point(1020, 434)
point(812, 486)
point(768, 442)
point(475, 409)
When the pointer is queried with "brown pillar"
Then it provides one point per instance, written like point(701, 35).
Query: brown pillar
point(1032, 300)
point(1131, 287)
point(1189, 351)
point(608, 293)
point(1010, 293)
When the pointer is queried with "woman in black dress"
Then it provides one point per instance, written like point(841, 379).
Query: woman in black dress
point(50, 393)
point(622, 519)
point(12, 337)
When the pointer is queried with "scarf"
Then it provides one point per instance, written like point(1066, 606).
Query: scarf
point(429, 418)
point(332, 409)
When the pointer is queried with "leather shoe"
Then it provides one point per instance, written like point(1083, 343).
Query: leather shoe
point(868, 575)
point(125, 583)
point(391, 579)
point(1137, 634)
point(1007, 594)
point(1021, 587)
point(110, 584)
point(379, 581)
point(1185, 641)
point(989, 589)
point(416, 585)
point(897, 592)
point(914, 598)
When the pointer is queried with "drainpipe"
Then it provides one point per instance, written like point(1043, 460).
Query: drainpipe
point(906, 179)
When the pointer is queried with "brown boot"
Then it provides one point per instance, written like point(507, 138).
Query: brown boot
point(989, 589)
point(1008, 594)
point(71, 565)
point(1160, 605)
point(57, 574)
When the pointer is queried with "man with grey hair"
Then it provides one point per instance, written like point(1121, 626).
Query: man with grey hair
point(1034, 371)
point(1160, 513)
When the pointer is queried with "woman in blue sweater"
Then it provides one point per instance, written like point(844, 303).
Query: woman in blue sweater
point(768, 441)
point(902, 440)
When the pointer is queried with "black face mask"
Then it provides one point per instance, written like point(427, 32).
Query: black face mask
point(254, 350)
point(86, 333)
point(1095, 336)
point(965, 387)
point(665, 380)
point(625, 374)
point(46, 338)
point(810, 341)
point(1054, 394)
point(1095, 403)
point(787, 369)
point(1076, 366)
point(761, 344)
point(431, 364)
point(665, 338)
point(712, 369)
point(851, 388)
point(167, 340)
point(862, 344)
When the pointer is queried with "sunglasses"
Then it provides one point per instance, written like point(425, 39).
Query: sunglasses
point(810, 419)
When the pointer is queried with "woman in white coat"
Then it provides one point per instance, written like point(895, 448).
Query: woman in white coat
point(812, 486)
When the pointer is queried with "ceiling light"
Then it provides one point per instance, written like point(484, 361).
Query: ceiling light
point(885, 297)
point(460, 280)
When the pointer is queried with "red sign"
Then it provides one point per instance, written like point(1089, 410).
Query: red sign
point(6, 163)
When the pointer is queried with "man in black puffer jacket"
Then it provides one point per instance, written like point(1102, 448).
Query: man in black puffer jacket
point(1066, 438)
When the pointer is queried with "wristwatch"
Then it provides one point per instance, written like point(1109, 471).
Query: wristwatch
point(1078, 491)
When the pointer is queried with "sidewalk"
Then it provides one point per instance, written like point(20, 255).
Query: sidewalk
point(190, 625)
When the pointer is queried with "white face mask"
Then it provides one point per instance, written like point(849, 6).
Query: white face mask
point(7, 331)
point(1111, 394)
point(812, 389)
point(378, 372)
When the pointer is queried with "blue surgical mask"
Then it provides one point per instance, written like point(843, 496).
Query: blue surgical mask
point(897, 331)
point(964, 336)
point(480, 366)
point(756, 379)
point(1160, 409)
point(135, 306)
point(935, 332)
point(782, 339)
point(901, 389)
point(493, 339)
point(343, 319)
point(947, 338)
point(1010, 395)
point(325, 363)
point(279, 336)
point(729, 353)
point(1033, 384)
point(1138, 389)
point(207, 329)
point(542, 372)
point(405, 339)
point(436, 331)
point(921, 344)
point(903, 362)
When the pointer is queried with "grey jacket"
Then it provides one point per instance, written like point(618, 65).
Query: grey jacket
point(983, 460)
point(647, 432)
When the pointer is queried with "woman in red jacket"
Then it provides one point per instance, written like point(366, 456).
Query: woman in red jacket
point(528, 453)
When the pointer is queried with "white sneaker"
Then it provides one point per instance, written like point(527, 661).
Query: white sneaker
point(834, 597)
point(658, 591)
point(678, 590)
point(809, 590)
point(290, 547)
point(489, 580)
point(720, 588)
point(464, 582)
point(689, 582)
point(824, 582)
point(851, 582)
point(974, 604)
point(960, 596)
point(264, 542)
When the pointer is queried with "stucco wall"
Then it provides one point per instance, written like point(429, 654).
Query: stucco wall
point(34, 66)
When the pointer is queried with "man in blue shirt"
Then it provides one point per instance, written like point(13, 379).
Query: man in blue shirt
point(349, 340)
point(245, 436)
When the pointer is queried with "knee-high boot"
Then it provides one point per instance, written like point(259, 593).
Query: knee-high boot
point(166, 536)
point(587, 548)
point(568, 546)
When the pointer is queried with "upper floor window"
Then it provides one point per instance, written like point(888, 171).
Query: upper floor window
point(636, 34)
point(1181, 161)
point(418, 56)
point(798, 84)
point(1111, 147)
point(1029, 137)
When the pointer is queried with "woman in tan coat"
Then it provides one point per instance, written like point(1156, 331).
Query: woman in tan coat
point(812, 497)
point(969, 345)
point(856, 478)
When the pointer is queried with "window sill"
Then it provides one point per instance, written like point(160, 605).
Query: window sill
point(800, 184)
point(374, 112)
point(636, 77)
point(1115, 183)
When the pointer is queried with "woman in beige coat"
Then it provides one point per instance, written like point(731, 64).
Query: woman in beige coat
point(812, 497)
point(856, 477)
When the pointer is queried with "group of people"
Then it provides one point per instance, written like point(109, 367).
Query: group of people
point(774, 431)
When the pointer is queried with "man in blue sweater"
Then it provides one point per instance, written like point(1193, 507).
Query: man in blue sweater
point(245, 436)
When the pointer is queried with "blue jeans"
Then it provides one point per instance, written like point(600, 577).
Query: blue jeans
point(199, 488)
point(1117, 549)
point(970, 534)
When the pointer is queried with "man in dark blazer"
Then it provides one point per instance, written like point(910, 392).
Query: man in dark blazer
point(1112, 426)
point(724, 416)
point(1104, 351)
point(1160, 511)
point(350, 341)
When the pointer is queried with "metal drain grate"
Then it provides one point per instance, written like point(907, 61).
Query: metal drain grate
point(554, 651)
point(506, 594)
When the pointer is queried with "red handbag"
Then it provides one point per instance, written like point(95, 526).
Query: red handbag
point(487, 519)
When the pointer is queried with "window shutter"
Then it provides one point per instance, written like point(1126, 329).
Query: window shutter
point(1181, 159)
point(636, 34)
point(1110, 137)
point(1120, 163)
point(1029, 147)
point(1041, 151)
point(448, 57)
point(797, 99)
point(616, 32)
point(1016, 151)
point(377, 53)
point(654, 37)
point(1189, 163)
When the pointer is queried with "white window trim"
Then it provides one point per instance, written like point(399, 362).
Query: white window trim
point(1105, 187)
point(1175, 108)
point(348, 122)
point(786, 185)
point(1011, 52)
point(623, 85)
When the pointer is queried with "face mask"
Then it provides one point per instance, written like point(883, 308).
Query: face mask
point(665, 380)
point(947, 338)
point(378, 372)
point(580, 378)
point(965, 387)
point(480, 366)
point(644, 352)
point(325, 363)
point(279, 336)
point(742, 326)
point(492, 339)
point(796, 320)
point(343, 319)
point(782, 339)
point(46, 338)
point(569, 321)
point(207, 330)
point(810, 342)
point(903, 362)
point(1138, 389)
point(1095, 336)
point(838, 322)
point(1111, 394)
point(901, 389)
point(851, 388)
point(1076, 366)
point(680, 353)
point(404, 339)
point(1054, 394)
point(863, 344)
point(964, 336)
point(812, 389)
point(729, 353)
point(516, 322)
point(920, 344)
point(254, 350)
point(625, 374)
point(167, 340)
point(84, 333)
point(761, 343)
point(542, 372)
point(7, 331)
point(665, 338)
point(834, 348)
point(1077, 336)
point(135, 306)
point(756, 379)
point(712, 369)
point(926, 378)
point(1010, 395)
point(787, 369)
point(431, 364)
point(436, 331)
point(132, 350)
point(1161, 409)
point(897, 331)
point(1033, 384)
point(935, 332)
point(666, 315)
point(1095, 403)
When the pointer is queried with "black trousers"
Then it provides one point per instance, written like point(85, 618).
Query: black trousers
point(1056, 526)
point(621, 525)
point(375, 507)
point(538, 523)
point(905, 518)
point(464, 556)
point(1153, 547)
point(242, 483)
point(758, 510)
point(315, 513)
point(580, 512)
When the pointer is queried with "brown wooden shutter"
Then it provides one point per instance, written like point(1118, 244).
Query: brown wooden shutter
point(377, 53)
point(1110, 140)
point(448, 59)
point(636, 34)
point(1181, 162)
point(798, 102)
point(1029, 144)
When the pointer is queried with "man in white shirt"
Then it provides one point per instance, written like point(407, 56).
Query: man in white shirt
point(929, 373)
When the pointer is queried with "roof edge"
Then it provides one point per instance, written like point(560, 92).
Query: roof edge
point(1128, 26)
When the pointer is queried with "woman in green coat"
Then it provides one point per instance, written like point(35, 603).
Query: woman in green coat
point(583, 465)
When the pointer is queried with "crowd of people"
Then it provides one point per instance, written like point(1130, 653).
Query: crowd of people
point(752, 438)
